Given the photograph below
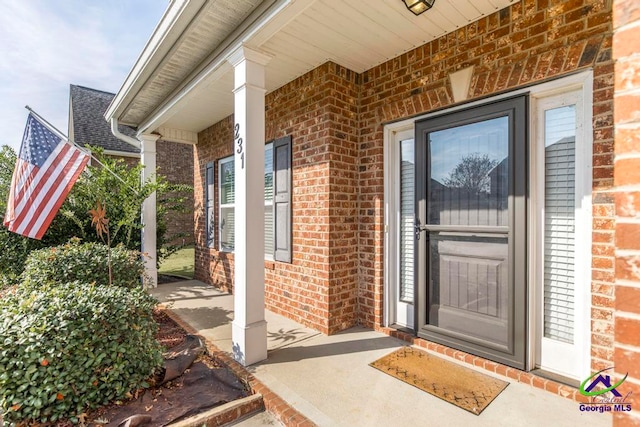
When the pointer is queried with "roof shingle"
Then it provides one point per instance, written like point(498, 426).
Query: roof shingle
point(89, 125)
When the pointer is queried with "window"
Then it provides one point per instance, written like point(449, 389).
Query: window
point(226, 183)
point(561, 164)
point(277, 206)
point(407, 218)
point(210, 206)
point(559, 223)
point(268, 201)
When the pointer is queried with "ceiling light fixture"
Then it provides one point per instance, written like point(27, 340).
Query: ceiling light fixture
point(418, 6)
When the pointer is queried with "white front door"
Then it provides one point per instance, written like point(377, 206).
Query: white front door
point(563, 233)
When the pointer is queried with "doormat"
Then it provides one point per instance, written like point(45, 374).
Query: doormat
point(449, 381)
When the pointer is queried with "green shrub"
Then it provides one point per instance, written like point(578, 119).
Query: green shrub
point(72, 347)
point(14, 250)
point(86, 262)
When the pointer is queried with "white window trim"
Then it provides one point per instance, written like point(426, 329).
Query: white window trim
point(582, 81)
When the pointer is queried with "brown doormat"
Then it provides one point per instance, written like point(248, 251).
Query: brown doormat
point(449, 381)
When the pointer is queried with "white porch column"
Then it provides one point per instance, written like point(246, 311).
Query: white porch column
point(148, 159)
point(249, 328)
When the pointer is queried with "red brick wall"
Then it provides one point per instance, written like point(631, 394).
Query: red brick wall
point(318, 288)
point(129, 161)
point(175, 162)
point(528, 42)
point(211, 266)
point(626, 49)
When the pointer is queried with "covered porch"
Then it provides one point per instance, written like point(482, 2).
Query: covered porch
point(212, 63)
point(328, 379)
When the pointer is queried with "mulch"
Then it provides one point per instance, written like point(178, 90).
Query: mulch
point(205, 385)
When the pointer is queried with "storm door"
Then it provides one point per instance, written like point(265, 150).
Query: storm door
point(470, 187)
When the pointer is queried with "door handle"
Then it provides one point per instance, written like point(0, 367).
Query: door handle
point(418, 228)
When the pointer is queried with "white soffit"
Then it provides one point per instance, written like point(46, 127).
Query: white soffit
point(357, 35)
point(362, 34)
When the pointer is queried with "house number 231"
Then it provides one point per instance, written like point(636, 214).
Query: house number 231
point(240, 149)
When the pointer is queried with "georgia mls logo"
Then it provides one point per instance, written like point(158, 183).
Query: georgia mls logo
point(601, 390)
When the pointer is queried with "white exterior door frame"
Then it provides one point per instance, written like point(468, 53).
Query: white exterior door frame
point(580, 82)
point(570, 360)
point(396, 311)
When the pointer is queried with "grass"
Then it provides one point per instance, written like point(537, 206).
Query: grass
point(179, 264)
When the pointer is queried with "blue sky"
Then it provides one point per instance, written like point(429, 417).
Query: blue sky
point(46, 45)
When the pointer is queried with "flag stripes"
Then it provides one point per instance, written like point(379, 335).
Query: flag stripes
point(45, 172)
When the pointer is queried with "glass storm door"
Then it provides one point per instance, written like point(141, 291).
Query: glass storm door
point(472, 215)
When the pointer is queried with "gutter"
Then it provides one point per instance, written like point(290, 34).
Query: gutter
point(121, 136)
point(177, 16)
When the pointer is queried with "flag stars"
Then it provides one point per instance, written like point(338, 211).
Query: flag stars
point(38, 143)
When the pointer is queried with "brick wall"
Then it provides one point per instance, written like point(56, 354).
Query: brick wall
point(626, 49)
point(175, 162)
point(129, 161)
point(211, 266)
point(318, 288)
point(528, 42)
point(319, 110)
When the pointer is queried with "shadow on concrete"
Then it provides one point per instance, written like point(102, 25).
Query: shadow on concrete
point(283, 337)
point(174, 297)
point(205, 317)
point(351, 345)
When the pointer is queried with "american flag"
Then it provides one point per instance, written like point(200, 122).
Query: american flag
point(46, 169)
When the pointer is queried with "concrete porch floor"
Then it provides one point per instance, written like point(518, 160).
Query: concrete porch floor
point(328, 378)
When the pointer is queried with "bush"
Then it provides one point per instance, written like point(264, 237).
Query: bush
point(86, 262)
point(14, 250)
point(73, 347)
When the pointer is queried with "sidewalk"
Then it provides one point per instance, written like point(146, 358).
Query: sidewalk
point(328, 379)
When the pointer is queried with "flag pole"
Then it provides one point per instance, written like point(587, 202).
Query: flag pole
point(84, 150)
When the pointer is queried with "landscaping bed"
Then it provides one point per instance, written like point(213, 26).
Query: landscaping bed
point(206, 384)
point(84, 344)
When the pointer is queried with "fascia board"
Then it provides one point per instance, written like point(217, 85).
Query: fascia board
point(174, 21)
point(216, 64)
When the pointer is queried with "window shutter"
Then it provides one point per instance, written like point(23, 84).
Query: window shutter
point(282, 198)
point(209, 206)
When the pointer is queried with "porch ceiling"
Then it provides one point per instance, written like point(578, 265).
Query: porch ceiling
point(299, 35)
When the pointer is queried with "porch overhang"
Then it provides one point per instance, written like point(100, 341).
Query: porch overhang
point(182, 82)
point(209, 59)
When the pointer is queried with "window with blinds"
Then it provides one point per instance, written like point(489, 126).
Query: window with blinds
point(268, 201)
point(227, 194)
point(407, 218)
point(226, 185)
point(559, 223)
point(210, 206)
